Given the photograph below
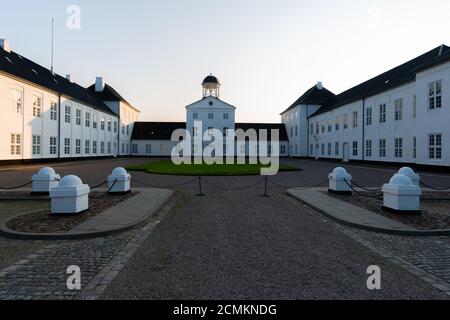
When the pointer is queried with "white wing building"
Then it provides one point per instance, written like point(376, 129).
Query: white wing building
point(49, 117)
point(400, 116)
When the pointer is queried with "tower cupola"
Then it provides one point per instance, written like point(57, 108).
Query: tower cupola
point(211, 87)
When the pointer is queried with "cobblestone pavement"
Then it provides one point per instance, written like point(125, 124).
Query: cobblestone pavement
point(112, 267)
point(42, 275)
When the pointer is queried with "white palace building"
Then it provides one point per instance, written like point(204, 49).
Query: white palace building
point(400, 116)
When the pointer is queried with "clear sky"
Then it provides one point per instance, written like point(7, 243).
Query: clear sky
point(265, 53)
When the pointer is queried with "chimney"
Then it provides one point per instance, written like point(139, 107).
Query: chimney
point(69, 77)
point(4, 44)
point(319, 85)
point(99, 84)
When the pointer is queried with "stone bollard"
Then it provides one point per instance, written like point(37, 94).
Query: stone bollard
point(415, 178)
point(44, 181)
point(401, 195)
point(119, 181)
point(71, 196)
point(338, 184)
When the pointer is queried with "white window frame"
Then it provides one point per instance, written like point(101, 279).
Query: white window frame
point(369, 112)
point(382, 148)
point(36, 145)
point(16, 100)
point(53, 145)
point(398, 109)
point(369, 148)
point(435, 146)
point(435, 95)
point(78, 146)
point(67, 146)
point(355, 119)
point(53, 111)
point(383, 109)
point(16, 144)
point(67, 113)
point(78, 117)
point(355, 149)
point(37, 106)
point(398, 148)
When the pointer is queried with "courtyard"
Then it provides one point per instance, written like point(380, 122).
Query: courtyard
point(232, 243)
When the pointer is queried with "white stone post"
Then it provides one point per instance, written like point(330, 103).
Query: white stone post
point(401, 195)
point(339, 181)
point(415, 178)
point(71, 196)
point(44, 181)
point(119, 181)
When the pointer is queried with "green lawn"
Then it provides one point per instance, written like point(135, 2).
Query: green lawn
point(167, 167)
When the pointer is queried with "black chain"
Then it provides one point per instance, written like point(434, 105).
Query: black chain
point(378, 196)
point(98, 186)
point(167, 186)
point(233, 189)
point(433, 188)
point(108, 191)
point(365, 188)
point(298, 187)
point(19, 187)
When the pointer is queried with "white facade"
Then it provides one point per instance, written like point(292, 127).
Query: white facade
point(43, 125)
point(202, 117)
point(405, 124)
point(43, 121)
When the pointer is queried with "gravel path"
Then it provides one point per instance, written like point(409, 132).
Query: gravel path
point(232, 245)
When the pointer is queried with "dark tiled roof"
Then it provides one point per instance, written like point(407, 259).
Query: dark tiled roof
point(393, 78)
point(108, 94)
point(20, 67)
point(164, 130)
point(268, 126)
point(155, 130)
point(313, 96)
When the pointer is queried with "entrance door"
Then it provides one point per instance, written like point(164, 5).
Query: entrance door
point(346, 152)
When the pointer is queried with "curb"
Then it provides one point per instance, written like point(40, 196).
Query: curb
point(15, 235)
point(418, 233)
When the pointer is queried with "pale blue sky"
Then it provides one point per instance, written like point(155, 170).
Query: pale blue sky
point(266, 53)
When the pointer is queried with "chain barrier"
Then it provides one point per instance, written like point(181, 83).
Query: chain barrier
point(103, 194)
point(433, 188)
point(98, 186)
point(166, 186)
point(18, 187)
point(233, 189)
point(365, 188)
point(379, 196)
point(298, 187)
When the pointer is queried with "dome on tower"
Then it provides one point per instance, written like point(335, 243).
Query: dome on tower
point(211, 80)
point(211, 87)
